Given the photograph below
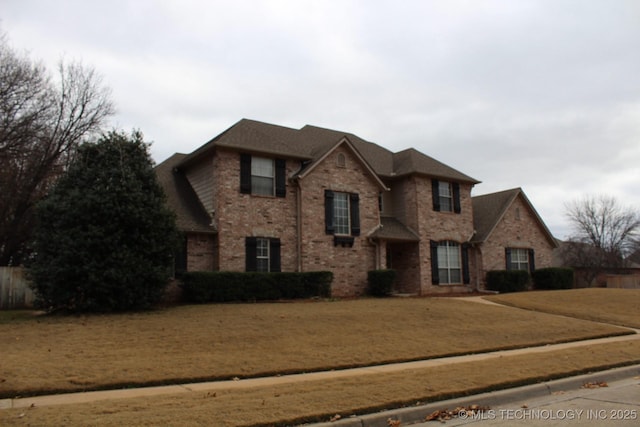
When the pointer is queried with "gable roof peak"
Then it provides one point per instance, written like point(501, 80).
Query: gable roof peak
point(489, 209)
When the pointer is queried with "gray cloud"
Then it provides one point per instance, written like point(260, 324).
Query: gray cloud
point(539, 94)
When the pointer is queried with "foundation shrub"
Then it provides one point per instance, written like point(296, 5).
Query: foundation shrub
point(381, 282)
point(505, 281)
point(553, 278)
point(224, 286)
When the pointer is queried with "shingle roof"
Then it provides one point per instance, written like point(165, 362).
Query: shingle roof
point(311, 143)
point(181, 198)
point(392, 229)
point(489, 209)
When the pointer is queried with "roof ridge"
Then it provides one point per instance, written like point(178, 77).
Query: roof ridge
point(495, 193)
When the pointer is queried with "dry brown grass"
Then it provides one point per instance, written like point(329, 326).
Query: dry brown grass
point(191, 343)
point(616, 306)
point(318, 400)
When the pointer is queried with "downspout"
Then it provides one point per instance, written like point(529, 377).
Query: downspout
point(299, 224)
point(475, 260)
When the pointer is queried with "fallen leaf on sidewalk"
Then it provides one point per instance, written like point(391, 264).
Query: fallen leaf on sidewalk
point(393, 423)
point(595, 384)
point(445, 415)
point(336, 417)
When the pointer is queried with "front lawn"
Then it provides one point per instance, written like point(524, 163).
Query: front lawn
point(191, 343)
point(616, 306)
point(290, 404)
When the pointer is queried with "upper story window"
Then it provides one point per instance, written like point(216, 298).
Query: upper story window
point(446, 196)
point(262, 176)
point(342, 215)
point(519, 259)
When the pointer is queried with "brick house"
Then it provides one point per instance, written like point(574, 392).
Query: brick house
point(510, 235)
point(261, 197)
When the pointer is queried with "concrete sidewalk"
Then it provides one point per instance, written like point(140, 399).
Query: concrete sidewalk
point(84, 397)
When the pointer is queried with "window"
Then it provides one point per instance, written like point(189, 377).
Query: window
point(519, 259)
point(342, 216)
point(446, 196)
point(262, 254)
point(262, 176)
point(449, 263)
point(449, 270)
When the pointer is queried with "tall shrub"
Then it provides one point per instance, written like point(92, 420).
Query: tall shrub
point(105, 238)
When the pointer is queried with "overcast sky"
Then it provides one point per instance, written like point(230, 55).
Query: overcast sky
point(543, 95)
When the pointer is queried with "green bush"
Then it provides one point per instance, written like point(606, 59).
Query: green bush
point(225, 286)
point(553, 278)
point(104, 237)
point(505, 281)
point(381, 282)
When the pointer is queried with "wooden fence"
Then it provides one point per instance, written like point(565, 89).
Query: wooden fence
point(14, 289)
point(626, 281)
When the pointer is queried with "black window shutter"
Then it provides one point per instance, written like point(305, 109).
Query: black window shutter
point(435, 275)
point(532, 261)
point(328, 211)
point(274, 253)
point(245, 173)
point(466, 279)
point(251, 253)
point(435, 190)
point(507, 256)
point(354, 206)
point(456, 198)
point(281, 178)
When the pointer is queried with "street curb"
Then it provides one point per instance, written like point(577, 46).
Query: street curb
point(494, 398)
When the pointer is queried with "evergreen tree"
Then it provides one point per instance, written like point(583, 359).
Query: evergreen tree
point(105, 238)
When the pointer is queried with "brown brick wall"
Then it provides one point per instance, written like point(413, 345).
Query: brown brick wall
point(439, 226)
point(238, 215)
point(349, 265)
point(519, 228)
point(201, 252)
point(405, 259)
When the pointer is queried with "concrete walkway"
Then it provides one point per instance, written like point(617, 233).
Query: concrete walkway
point(84, 397)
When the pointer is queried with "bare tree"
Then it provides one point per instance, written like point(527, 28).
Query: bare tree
point(605, 234)
point(42, 122)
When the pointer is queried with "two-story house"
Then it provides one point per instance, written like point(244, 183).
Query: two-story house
point(261, 197)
